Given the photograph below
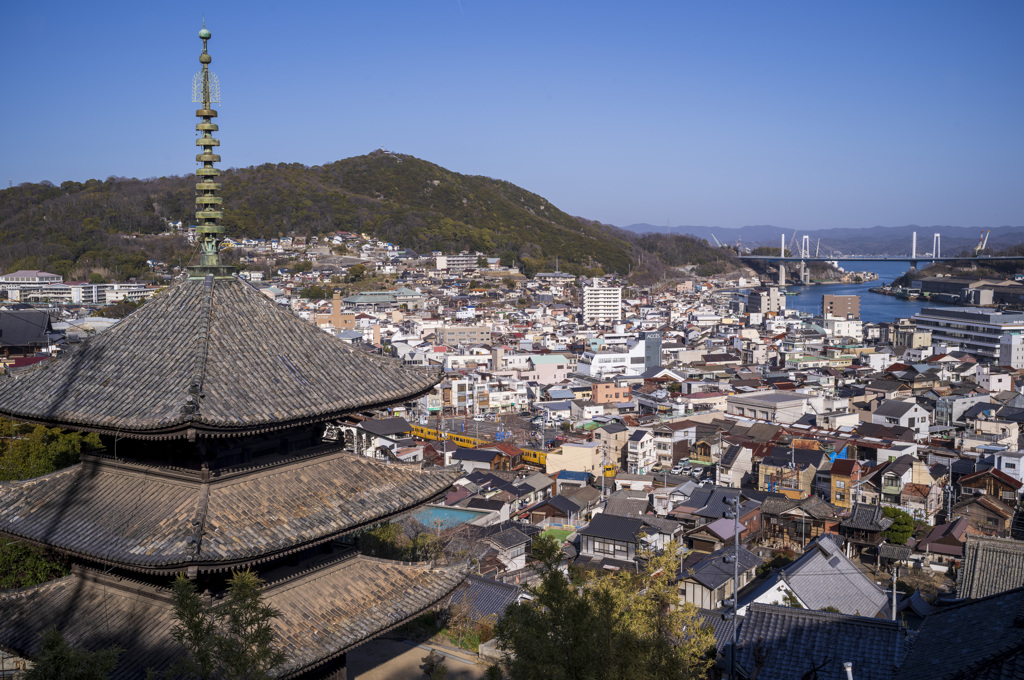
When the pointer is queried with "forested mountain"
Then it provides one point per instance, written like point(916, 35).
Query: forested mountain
point(78, 226)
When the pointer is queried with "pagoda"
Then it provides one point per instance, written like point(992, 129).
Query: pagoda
point(211, 402)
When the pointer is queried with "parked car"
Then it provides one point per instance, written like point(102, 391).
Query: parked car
point(677, 470)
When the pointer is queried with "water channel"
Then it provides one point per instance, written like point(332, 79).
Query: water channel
point(874, 307)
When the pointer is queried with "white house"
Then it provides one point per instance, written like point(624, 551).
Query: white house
point(892, 412)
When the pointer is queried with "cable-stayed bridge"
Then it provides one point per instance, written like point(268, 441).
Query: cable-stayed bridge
point(805, 250)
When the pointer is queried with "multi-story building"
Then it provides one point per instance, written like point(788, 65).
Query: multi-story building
point(464, 335)
point(641, 453)
point(1011, 350)
point(460, 262)
point(611, 392)
point(845, 474)
point(602, 303)
point(977, 331)
point(769, 300)
point(78, 293)
point(840, 306)
point(28, 278)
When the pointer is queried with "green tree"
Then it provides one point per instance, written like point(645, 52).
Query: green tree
point(95, 278)
point(23, 565)
point(59, 660)
point(902, 526)
point(314, 293)
point(611, 626)
point(481, 262)
point(233, 641)
point(357, 272)
point(31, 451)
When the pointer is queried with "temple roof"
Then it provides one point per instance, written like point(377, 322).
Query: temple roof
point(158, 520)
point(211, 357)
point(323, 613)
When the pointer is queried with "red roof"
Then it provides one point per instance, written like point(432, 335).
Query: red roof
point(998, 474)
point(26, 361)
point(844, 467)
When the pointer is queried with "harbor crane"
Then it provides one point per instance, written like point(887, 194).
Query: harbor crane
point(982, 242)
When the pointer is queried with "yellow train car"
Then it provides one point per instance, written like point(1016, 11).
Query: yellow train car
point(535, 458)
point(459, 438)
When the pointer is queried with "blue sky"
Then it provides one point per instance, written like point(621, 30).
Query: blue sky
point(798, 114)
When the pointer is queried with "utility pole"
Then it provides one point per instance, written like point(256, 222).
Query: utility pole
point(734, 504)
point(604, 464)
point(895, 569)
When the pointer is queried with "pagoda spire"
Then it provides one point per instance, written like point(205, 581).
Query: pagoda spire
point(209, 231)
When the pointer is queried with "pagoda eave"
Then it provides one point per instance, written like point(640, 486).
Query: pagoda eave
point(191, 430)
point(156, 520)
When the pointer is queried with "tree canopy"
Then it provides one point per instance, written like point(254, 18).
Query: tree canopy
point(902, 525)
point(233, 641)
point(59, 660)
point(602, 627)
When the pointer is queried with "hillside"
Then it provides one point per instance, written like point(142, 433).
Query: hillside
point(75, 227)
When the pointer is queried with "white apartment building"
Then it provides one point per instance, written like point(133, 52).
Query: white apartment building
point(602, 363)
point(1011, 350)
point(85, 293)
point(837, 327)
point(460, 262)
point(978, 331)
point(641, 453)
point(602, 303)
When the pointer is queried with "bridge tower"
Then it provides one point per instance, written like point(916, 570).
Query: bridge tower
point(936, 246)
point(782, 264)
point(913, 251)
point(805, 252)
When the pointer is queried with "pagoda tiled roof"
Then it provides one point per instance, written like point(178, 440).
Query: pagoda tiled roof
point(159, 520)
point(323, 613)
point(207, 356)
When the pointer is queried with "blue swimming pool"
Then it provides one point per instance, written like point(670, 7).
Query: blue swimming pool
point(446, 518)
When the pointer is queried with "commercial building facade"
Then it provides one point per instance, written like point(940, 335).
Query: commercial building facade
point(977, 331)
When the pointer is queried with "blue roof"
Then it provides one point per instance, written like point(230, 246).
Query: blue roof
point(573, 475)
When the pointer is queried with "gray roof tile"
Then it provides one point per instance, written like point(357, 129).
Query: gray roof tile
point(148, 518)
point(212, 355)
point(322, 613)
point(990, 566)
point(800, 640)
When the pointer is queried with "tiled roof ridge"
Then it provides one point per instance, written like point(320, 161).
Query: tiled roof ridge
point(25, 483)
point(820, 614)
point(195, 389)
point(288, 464)
point(318, 567)
point(395, 623)
point(28, 591)
point(125, 584)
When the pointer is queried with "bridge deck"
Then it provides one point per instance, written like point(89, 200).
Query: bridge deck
point(874, 258)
